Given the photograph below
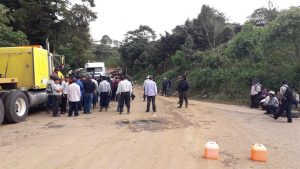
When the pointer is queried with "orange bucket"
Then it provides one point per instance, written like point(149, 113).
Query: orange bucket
point(211, 150)
point(258, 152)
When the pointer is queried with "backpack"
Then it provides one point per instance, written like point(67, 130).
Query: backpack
point(288, 95)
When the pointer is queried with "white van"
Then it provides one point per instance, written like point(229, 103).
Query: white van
point(96, 69)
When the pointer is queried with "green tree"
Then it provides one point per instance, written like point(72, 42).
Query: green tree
point(283, 35)
point(106, 40)
point(133, 48)
point(65, 24)
point(264, 16)
point(8, 37)
point(246, 45)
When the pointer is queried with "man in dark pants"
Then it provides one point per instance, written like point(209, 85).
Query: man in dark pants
point(151, 92)
point(74, 95)
point(64, 96)
point(50, 93)
point(56, 98)
point(104, 90)
point(114, 88)
point(79, 83)
point(164, 83)
point(255, 93)
point(182, 89)
point(169, 85)
point(125, 91)
point(285, 102)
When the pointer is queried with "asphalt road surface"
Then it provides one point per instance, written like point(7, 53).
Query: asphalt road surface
point(173, 139)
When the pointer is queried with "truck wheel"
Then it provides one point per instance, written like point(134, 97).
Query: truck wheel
point(16, 106)
point(3, 95)
point(1, 112)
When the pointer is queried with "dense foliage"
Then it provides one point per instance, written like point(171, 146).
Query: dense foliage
point(9, 37)
point(221, 58)
point(64, 23)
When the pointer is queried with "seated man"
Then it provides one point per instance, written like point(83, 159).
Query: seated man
point(272, 105)
point(264, 102)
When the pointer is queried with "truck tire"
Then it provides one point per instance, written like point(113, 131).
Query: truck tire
point(3, 96)
point(16, 106)
point(1, 112)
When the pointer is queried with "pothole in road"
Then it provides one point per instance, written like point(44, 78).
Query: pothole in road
point(123, 122)
point(144, 125)
point(146, 122)
point(56, 126)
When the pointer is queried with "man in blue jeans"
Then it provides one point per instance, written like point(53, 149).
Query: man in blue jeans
point(89, 89)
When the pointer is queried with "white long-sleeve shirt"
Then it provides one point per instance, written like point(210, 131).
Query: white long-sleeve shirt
point(150, 88)
point(65, 87)
point(283, 89)
point(124, 86)
point(265, 100)
point(255, 89)
point(74, 93)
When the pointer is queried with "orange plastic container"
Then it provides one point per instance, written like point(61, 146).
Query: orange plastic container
point(211, 150)
point(258, 152)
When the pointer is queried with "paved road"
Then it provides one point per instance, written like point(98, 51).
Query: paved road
point(174, 139)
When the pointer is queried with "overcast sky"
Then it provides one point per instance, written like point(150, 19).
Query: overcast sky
point(116, 17)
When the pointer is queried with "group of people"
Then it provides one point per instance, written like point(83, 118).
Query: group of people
point(150, 91)
point(83, 92)
point(275, 103)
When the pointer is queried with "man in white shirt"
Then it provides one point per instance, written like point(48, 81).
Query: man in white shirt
point(104, 90)
point(150, 92)
point(255, 91)
point(74, 96)
point(64, 96)
point(49, 93)
point(56, 98)
point(147, 78)
point(95, 96)
point(125, 91)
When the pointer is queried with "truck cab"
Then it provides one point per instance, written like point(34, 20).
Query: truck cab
point(24, 73)
point(96, 69)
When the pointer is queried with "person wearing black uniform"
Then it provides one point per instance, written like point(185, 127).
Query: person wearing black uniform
point(182, 89)
point(285, 102)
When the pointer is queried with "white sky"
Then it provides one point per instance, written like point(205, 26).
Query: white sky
point(116, 17)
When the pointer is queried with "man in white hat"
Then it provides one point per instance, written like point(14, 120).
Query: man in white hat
point(272, 103)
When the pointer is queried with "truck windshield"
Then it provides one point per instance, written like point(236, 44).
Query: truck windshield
point(96, 69)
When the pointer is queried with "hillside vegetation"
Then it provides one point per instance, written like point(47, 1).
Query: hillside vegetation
point(220, 58)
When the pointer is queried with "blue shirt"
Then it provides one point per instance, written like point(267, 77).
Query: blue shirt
point(80, 85)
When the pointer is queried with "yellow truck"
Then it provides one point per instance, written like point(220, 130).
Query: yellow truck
point(24, 73)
